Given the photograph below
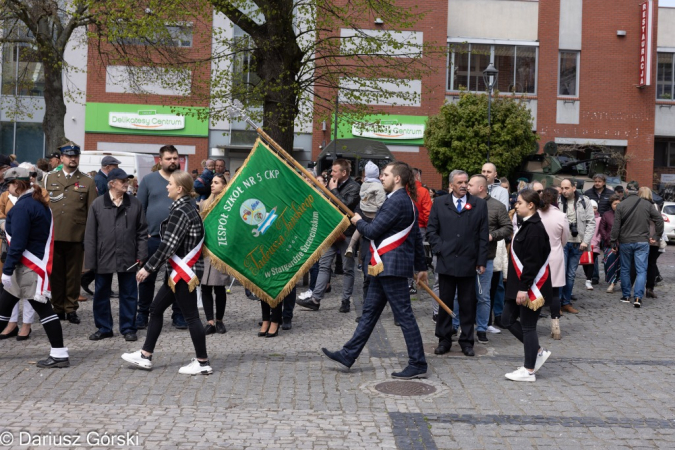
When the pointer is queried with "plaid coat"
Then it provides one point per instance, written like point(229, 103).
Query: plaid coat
point(396, 214)
point(180, 232)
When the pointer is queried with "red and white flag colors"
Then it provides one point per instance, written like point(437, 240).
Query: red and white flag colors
point(182, 267)
point(41, 266)
point(534, 293)
point(376, 267)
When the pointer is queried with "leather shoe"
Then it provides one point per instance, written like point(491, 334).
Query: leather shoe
point(209, 329)
point(337, 358)
point(51, 363)
point(220, 327)
point(98, 336)
point(12, 333)
point(130, 337)
point(287, 324)
point(468, 351)
point(72, 317)
point(442, 349)
point(410, 373)
point(309, 304)
point(113, 294)
point(344, 307)
point(24, 338)
point(141, 322)
point(570, 309)
point(179, 323)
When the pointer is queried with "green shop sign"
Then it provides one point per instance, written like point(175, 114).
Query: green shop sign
point(390, 129)
point(121, 118)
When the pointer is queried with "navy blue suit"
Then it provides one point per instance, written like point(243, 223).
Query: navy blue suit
point(460, 241)
point(391, 285)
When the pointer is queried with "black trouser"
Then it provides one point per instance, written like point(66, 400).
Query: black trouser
point(494, 284)
point(207, 300)
point(465, 287)
point(188, 305)
point(524, 330)
point(652, 270)
point(49, 320)
point(271, 314)
point(289, 305)
point(555, 304)
point(146, 288)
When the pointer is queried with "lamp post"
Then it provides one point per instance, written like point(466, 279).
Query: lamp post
point(490, 78)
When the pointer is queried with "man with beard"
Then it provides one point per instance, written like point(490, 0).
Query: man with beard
point(156, 203)
point(71, 193)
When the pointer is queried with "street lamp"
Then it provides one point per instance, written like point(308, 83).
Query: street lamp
point(490, 75)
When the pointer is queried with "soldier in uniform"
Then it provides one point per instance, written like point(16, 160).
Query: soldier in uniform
point(71, 193)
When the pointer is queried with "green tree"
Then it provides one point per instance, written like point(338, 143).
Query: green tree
point(289, 62)
point(41, 29)
point(457, 137)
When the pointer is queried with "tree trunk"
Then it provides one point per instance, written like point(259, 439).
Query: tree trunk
point(55, 107)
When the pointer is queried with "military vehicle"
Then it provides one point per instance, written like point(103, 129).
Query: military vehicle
point(579, 165)
point(357, 150)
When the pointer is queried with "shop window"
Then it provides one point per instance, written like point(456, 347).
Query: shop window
point(22, 71)
point(664, 76)
point(568, 77)
point(25, 139)
point(517, 67)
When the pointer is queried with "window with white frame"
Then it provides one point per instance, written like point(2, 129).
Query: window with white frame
point(175, 35)
point(664, 76)
point(568, 74)
point(517, 65)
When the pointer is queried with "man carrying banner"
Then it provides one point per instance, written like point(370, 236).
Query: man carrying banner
point(395, 249)
point(347, 191)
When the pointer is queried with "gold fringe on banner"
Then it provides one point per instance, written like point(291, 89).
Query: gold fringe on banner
point(225, 268)
point(536, 303)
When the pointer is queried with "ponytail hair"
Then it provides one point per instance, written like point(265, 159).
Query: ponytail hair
point(403, 170)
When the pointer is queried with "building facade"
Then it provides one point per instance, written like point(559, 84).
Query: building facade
point(594, 75)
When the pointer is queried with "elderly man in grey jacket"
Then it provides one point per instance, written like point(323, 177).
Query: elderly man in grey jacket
point(581, 219)
point(115, 241)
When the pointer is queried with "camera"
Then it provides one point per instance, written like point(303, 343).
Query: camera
point(574, 230)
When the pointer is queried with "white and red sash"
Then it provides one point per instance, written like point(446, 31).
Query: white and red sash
point(41, 267)
point(534, 293)
point(376, 267)
point(182, 267)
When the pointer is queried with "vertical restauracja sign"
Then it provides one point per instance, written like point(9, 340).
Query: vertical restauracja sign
point(646, 25)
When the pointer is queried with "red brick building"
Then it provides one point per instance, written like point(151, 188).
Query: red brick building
point(577, 63)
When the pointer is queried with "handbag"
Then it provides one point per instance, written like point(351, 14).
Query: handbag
point(587, 257)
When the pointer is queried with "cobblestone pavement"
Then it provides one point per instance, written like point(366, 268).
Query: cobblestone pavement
point(608, 384)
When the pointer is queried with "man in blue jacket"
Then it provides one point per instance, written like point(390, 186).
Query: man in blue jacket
point(399, 249)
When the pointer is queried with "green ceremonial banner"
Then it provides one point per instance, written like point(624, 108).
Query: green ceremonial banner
point(269, 225)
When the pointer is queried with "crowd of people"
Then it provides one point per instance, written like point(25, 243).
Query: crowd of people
point(498, 258)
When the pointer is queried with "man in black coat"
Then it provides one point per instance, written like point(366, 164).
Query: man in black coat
point(600, 193)
point(347, 190)
point(458, 234)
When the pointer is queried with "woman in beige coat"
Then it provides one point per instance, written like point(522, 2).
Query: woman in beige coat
point(555, 222)
point(214, 280)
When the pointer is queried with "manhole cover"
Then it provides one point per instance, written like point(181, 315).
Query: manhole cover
point(405, 388)
point(455, 351)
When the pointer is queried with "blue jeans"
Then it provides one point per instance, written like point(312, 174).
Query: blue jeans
point(572, 255)
point(146, 289)
point(637, 253)
point(128, 299)
point(483, 306)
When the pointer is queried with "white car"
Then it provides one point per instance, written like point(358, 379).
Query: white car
point(668, 214)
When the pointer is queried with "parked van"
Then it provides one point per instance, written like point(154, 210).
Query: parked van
point(136, 164)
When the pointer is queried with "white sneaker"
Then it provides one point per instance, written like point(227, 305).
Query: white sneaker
point(137, 359)
point(305, 295)
point(195, 368)
point(589, 285)
point(521, 374)
point(493, 330)
point(541, 359)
